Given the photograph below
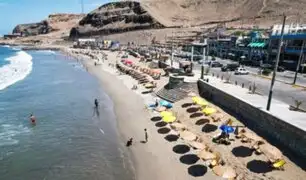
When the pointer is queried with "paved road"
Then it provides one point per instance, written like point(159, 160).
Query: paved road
point(281, 91)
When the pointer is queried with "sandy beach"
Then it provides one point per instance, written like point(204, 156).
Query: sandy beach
point(159, 158)
point(155, 159)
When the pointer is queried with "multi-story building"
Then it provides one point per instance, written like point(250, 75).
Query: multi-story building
point(294, 45)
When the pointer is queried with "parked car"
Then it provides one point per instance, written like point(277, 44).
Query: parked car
point(230, 67)
point(124, 56)
point(269, 66)
point(241, 71)
point(215, 64)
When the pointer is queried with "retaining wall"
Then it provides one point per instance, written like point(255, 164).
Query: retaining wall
point(290, 139)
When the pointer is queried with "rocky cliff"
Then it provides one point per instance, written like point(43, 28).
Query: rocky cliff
point(124, 16)
point(114, 18)
point(54, 23)
point(33, 29)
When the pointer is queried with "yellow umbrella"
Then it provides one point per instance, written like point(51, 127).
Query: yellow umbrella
point(169, 119)
point(208, 111)
point(202, 102)
point(166, 113)
point(225, 172)
point(195, 99)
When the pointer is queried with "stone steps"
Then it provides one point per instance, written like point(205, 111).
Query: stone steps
point(177, 92)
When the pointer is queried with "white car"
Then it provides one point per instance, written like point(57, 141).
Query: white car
point(241, 71)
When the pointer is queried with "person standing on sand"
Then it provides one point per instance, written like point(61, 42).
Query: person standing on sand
point(146, 135)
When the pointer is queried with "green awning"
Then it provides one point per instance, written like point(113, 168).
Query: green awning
point(255, 45)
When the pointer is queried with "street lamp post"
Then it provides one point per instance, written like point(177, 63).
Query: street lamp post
point(276, 63)
point(192, 49)
point(299, 63)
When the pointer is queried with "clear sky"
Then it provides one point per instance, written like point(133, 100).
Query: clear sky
point(13, 12)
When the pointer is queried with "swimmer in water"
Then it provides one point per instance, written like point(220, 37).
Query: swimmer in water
point(32, 119)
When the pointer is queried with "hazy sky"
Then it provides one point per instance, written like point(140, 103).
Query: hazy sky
point(14, 12)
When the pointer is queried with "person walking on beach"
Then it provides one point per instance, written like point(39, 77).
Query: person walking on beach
point(96, 103)
point(146, 135)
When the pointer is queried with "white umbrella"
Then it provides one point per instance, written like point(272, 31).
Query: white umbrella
point(225, 172)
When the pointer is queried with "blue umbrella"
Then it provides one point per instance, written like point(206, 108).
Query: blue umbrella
point(165, 104)
point(227, 129)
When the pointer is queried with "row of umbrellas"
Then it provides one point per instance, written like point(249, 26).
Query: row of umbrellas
point(272, 153)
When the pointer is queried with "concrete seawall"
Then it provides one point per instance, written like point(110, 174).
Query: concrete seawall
point(290, 139)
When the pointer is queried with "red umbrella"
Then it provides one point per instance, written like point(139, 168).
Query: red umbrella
point(128, 61)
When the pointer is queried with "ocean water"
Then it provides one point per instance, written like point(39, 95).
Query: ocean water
point(71, 140)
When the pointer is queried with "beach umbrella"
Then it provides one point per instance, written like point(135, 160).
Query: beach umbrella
point(187, 135)
point(252, 136)
point(202, 102)
point(195, 99)
point(197, 145)
point(225, 172)
point(209, 110)
point(160, 109)
point(206, 155)
point(178, 126)
point(149, 85)
point(169, 119)
point(166, 113)
point(227, 129)
point(271, 152)
point(165, 104)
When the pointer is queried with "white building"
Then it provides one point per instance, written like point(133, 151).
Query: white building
point(289, 29)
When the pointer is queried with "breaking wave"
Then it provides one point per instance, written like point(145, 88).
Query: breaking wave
point(19, 67)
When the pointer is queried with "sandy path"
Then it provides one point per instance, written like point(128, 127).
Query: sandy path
point(155, 159)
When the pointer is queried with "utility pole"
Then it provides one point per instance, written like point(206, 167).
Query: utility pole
point(192, 57)
point(299, 62)
point(82, 6)
point(276, 64)
point(203, 60)
point(172, 50)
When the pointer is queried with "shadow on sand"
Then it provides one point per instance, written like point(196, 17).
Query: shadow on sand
point(146, 92)
point(195, 115)
point(202, 121)
point(181, 149)
point(163, 130)
point(186, 105)
point(156, 118)
point(189, 159)
point(242, 151)
point(208, 128)
point(160, 124)
point(193, 110)
point(197, 170)
point(258, 166)
point(171, 138)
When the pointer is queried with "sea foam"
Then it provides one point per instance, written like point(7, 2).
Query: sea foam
point(20, 66)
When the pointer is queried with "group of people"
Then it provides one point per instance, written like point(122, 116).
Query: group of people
point(33, 118)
